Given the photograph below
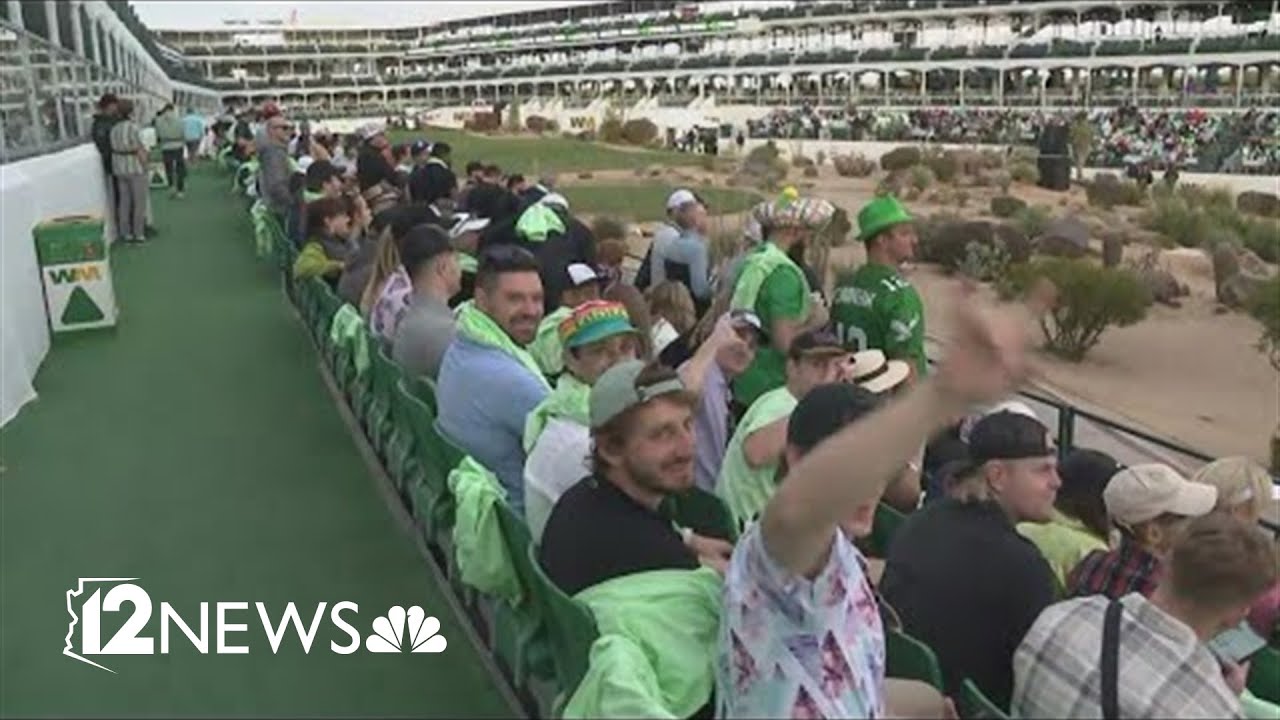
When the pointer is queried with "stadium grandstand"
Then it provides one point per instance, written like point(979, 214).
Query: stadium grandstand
point(332, 384)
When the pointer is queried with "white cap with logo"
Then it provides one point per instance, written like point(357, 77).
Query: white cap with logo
point(1144, 492)
point(580, 274)
point(680, 198)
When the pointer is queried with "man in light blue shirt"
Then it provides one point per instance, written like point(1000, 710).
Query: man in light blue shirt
point(488, 383)
point(683, 243)
point(193, 127)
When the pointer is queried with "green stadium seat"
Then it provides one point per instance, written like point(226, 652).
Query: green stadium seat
point(885, 526)
point(530, 650)
point(570, 627)
point(400, 445)
point(1264, 675)
point(974, 705)
point(385, 374)
point(431, 502)
point(910, 659)
point(424, 388)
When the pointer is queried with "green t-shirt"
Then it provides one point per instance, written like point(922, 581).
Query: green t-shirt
point(744, 489)
point(877, 309)
point(783, 295)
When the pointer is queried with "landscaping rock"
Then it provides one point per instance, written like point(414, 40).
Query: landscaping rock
point(1237, 274)
point(1066, 237)
point(1015, 242)
point(1259, 203)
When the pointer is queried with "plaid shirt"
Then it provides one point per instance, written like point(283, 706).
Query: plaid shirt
point(1164, 670)
point(1115, 573)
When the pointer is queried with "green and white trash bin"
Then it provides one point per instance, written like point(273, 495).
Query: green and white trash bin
point(76, 271)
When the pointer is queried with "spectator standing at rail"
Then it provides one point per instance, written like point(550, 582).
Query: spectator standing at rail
point(170, 136)
point(276, 168)
point(129, 167)
point(103, 120)
point(877, 308)
point(193, 130)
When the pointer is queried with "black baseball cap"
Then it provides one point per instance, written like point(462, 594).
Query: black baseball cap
point(321, 172)
point(825, 410)
point(422, 243)
point(816, 343)
point(1008, 435)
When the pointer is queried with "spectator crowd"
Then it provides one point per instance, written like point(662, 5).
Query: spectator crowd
point(1195, 140)
point(866, 499)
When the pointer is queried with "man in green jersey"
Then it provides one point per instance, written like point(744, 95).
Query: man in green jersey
point(876, 308)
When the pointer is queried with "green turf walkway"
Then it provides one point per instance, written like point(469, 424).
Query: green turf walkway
point(196, 448)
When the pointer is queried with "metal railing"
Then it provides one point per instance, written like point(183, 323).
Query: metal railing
point(48, 95)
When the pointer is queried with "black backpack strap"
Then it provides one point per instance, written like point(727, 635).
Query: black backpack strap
point(1111, 661)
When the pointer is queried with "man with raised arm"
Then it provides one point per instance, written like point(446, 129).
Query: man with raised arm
point(828, 658)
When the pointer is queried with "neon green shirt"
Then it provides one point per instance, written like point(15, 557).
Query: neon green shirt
point(1064, 541)
point(877, 309)
point(746, 490)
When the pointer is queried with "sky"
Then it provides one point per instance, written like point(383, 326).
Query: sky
point(200, 15)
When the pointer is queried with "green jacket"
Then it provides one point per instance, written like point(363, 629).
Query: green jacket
point(478, 546)
point(656, 653)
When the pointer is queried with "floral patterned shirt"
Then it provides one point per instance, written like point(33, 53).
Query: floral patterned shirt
point(391, 306)
point(791, 647)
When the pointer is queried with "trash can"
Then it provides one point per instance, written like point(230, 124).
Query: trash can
point(76, 271)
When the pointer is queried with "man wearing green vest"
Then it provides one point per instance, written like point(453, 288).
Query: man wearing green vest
point(773, 286)
point(876, 308)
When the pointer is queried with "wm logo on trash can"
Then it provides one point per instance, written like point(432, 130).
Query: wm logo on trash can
point(79, 273)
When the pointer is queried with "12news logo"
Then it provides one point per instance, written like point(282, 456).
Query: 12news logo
point(399, 630)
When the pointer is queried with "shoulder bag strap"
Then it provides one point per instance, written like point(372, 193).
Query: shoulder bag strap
point(1111, 661)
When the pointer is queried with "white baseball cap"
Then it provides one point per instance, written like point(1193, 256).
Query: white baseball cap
point(555, 199)
point(464, 223)
point(680, 198)
point(580, 274)
point(1144, 492)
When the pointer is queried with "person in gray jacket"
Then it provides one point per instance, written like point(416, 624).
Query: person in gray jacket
point(274, 166)
point(427, 328)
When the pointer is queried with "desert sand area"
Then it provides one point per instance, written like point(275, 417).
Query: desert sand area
point(1191, 374)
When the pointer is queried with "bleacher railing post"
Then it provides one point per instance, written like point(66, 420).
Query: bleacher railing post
point(1066, 429)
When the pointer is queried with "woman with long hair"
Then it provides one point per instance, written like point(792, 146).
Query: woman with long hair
point(386, 296)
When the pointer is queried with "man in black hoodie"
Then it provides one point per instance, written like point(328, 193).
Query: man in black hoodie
point(103, 121)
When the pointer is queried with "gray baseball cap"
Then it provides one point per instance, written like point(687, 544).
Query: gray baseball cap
point(617, 391)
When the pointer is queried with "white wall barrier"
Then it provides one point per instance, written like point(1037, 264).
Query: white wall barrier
point(69, 182)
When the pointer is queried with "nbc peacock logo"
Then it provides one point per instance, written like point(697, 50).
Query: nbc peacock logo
point(389, 632)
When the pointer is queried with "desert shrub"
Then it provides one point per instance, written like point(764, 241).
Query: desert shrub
point(611, 130)
point(1002, 179)
point(1199, 196)
point(640, 131)
point(1033, 221)
point(1259, 203)
point(992, 159)
point(984, 262)
point(921, 177)
point(853, 165)
point(537, 124)
point(821, 157)
point(961, 198)
point(801, 160)
point(1024, 172)
point(1005, 206)
point(1108, 190)
point(1023, 154)
point(586, 175)
point(945, 165)
point(765, 165)
point(900, 158)
point(1015, 242)
point(483, 122)
point(1081, 134)
point(945, 240)
point(1090, 299)
point(1264, 306)
point(608, 228)
point(810, 171)
point(1263, 238)
point(553, 126)
point(1112, 250)
point(892, 184)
